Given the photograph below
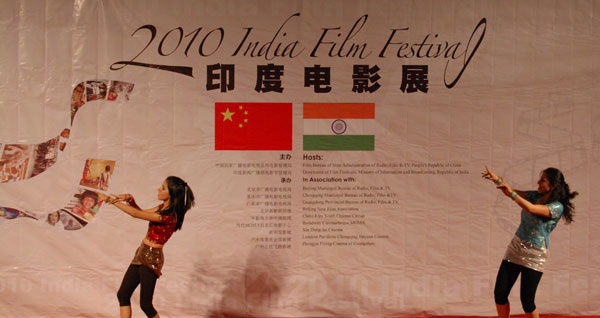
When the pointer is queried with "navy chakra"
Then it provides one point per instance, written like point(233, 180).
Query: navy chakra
point(338, 126)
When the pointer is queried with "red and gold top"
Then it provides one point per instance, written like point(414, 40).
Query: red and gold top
point(160, 232)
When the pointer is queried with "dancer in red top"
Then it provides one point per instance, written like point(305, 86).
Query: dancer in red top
point(165, 219)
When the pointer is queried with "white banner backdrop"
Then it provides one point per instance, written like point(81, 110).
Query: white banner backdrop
point(384, 215)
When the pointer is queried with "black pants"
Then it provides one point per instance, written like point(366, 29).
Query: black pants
point(138, 275)
point(507, 276)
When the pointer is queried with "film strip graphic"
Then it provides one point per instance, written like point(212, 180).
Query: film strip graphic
point(20, 162)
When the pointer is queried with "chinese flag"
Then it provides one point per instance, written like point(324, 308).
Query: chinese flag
point(253, 126)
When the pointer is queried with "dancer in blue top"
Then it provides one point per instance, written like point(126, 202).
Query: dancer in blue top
point(528, 250)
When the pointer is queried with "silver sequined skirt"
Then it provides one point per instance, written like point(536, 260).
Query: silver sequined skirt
point(526, 254)
point(151, 257)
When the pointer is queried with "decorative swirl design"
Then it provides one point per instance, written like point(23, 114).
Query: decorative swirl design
point(24, 161)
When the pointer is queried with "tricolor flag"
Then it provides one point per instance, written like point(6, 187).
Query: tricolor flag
point(339, 126)
point(253, 126)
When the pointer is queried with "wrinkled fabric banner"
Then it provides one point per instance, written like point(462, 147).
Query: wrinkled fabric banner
point(335, 150)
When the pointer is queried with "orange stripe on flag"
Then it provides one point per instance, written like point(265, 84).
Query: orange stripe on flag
point(339, 110)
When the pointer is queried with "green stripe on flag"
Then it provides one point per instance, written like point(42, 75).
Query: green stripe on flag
point(339, 142)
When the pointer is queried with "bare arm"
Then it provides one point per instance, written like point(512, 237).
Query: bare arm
point(537, 209)
point(127, 197)
point(519, 197)
point(148, 215)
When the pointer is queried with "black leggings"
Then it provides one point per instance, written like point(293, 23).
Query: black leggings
point(138, 275)
point(507, 276)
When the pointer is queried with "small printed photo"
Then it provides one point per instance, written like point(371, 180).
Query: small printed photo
point(14, 162)
point(71, 222)
point(64, 136)
point(10, 213)
point(53, 218)
point(45, 156)
point(97, 173)
point(95, 90)
point(84, 205)
point(77, 99)
point(119, 91)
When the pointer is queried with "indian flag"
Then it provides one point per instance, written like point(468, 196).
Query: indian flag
point(339, 126)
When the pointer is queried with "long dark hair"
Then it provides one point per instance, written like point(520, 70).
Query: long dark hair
point(561, 192)
point(181, 199)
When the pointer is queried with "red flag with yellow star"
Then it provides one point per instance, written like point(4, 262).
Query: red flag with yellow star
point(253, 126)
